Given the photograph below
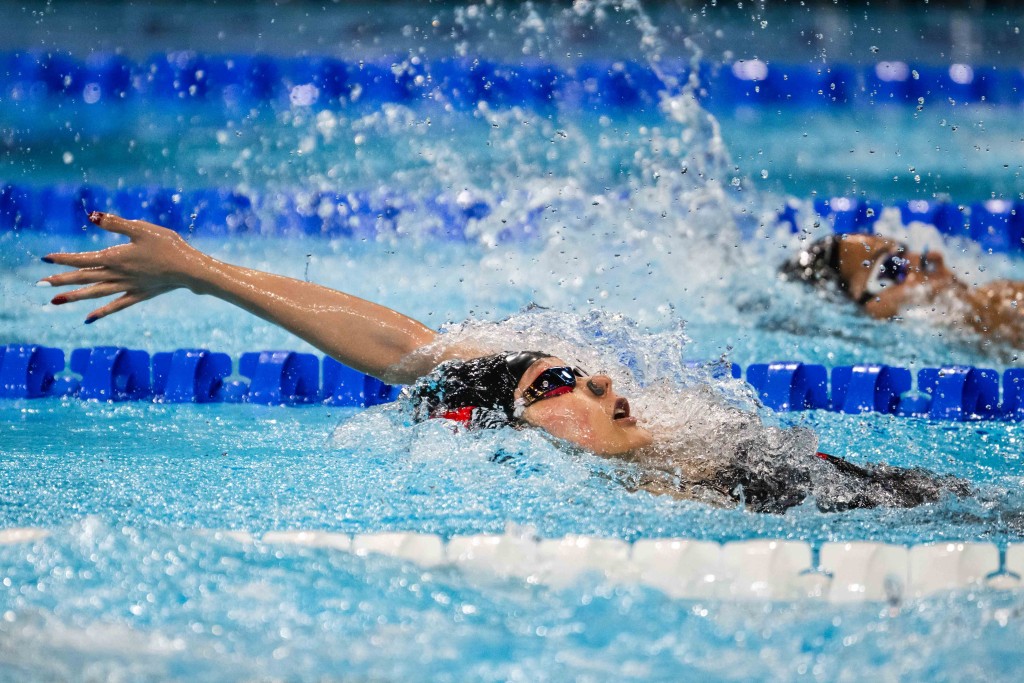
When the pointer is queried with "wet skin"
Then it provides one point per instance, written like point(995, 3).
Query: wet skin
point(366, 336)
point(859, 258)
point(592, 416)
point(994, 309)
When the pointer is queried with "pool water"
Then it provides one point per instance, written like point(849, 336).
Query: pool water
point(639, 265)
point(131, 583)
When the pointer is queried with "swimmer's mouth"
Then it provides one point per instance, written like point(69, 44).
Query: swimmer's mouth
point(621, 411)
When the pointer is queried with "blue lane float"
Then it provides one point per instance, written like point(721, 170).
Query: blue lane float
point(109, 373)
point(1013, 394)
point(868, 388)
point(323, 81)
point(281, 377)
point(190, 376)
point(960, 392)
point(112, 373)
point(784, 386)
point(344, 386)
point(996, 224)
point(849, 215)
point(28, 371)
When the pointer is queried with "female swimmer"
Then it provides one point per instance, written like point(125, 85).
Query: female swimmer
point(886, 279)
point(517, 388)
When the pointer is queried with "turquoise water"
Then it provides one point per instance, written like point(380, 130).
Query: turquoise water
point(968, 152)
point(264, 469)
point(207, 609)
point(130, 585)
point(634, 263)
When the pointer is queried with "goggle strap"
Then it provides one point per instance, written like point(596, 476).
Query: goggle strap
point(463, 415)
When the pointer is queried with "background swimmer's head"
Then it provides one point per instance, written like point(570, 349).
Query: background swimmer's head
point(490, 392)
point(816, 265)
point(877, 273)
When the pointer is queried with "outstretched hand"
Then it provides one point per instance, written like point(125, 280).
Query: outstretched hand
point(157, 260)
point(365, 336)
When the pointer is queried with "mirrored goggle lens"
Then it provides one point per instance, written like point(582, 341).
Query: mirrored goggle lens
point(895, 269)
point(552, 382)
point(890, 269)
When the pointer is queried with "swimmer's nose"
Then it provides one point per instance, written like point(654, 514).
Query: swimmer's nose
point(932, 262)
point(599, 385)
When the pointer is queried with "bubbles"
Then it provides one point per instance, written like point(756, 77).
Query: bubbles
point(304, 95)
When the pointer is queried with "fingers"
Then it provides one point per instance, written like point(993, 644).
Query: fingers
point(112, 223)
point(118, 304)
point(83, 276)
point(96, 291)
point(86, 259)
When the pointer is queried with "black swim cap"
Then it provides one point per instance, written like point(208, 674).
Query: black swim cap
point(482, 388)
point(817, 265)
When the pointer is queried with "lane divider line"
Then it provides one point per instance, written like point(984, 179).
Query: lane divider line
point(112, 373)
point(776, 570)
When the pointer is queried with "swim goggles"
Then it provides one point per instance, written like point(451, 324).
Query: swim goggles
point(550, 383)
point(889, 268)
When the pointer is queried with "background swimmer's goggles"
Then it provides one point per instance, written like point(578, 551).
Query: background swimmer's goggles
point(888, 268)
point(892, 268)
point(550, 383)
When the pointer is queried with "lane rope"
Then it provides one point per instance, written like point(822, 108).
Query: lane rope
point(776, 570)
point(113, 373)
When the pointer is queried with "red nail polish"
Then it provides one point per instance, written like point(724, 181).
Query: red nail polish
point(58, 300)
point(96, 216)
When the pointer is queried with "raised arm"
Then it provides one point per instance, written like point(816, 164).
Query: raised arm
point(363, 335)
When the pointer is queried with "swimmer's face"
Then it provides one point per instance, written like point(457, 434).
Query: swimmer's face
point(884, 275)
point(592, 415)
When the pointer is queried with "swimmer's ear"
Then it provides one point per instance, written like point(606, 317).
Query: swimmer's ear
point(112, 223)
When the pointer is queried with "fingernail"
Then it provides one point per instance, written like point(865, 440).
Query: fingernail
point(96, 216)
point(46, 259)
point(43, 283)
point(58, 300)
point(90, 321)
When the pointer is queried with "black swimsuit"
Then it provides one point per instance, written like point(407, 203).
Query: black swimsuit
point(841, 486)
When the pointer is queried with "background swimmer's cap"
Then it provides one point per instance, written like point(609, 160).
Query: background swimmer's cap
point(817, 265)
point(480, 392)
